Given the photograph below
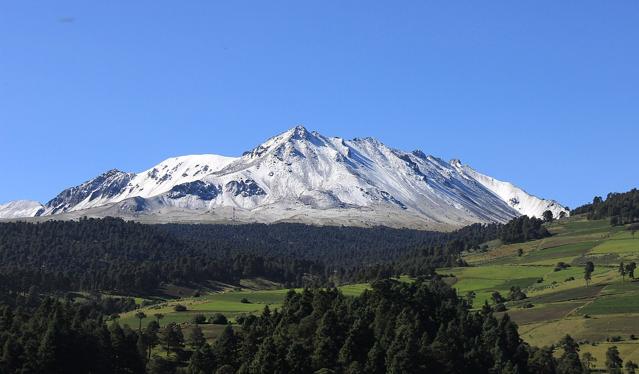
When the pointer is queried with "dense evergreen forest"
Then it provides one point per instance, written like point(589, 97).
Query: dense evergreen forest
point(620, 208)
point(112, 254)
point(523, 229)
point(394, 328)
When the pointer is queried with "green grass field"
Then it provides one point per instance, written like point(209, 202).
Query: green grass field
point(562, 304)
point(228, 303)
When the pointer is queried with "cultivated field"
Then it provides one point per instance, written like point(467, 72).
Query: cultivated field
point(558, 301)
point(599, 315)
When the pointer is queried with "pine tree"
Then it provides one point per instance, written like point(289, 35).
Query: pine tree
point(202, 361)
point(140, 316)
point(622, 271)
point(569, 362)
point(326, 348)
point(50, 351)
point(297, 359)
point(542, 361)
point(266, 359)
point(142, 346)
point(630, 269)
point(548, 216)
point(588, 270)
point(614, 363)
point(151, 337)
point(225, 347)
point(345, 356)
point(10, 360)
point(403, 350)
point(196, 337)
point(158, 317)
point(172, 338)
point(375, 364)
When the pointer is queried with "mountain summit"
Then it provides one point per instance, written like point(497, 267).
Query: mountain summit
point(299, 176)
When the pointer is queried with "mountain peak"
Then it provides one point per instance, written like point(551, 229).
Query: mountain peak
point(302, 176)
point(20, 208)
point(298, 132)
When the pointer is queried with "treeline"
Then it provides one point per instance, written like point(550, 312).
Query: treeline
point(393, 328)
point(64, 337)
point(523, 229)
point(115, 255)
point(332, 245)
point(111, 254)
point(620, 208)
point(348, 254)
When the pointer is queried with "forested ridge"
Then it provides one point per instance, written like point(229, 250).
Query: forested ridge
point(620, 208)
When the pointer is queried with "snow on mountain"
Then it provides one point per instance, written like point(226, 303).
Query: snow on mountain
point(517, 198)
point(303, 176)
point(20, 208)
point(114, 185)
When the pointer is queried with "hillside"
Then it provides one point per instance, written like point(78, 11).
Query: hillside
point(562, 304)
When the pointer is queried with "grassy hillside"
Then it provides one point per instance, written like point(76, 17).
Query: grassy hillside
point(558, 302)
point(608, 309)
point(228, 302)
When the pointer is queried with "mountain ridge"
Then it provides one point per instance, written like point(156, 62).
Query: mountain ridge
point(300, 176)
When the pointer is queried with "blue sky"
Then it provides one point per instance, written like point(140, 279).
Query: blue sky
point(541, 93)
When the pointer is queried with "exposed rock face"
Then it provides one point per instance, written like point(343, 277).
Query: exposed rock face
point(306, 177)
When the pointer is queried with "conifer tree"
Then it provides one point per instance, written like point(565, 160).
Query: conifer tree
point(569, 362)
point(202, 361)
point(326, 348)
point(225, 347)
point(614, 363)
point(196, 337)
point(622, 271)
point(588, 270)
point(297, 359)
point(375, 363)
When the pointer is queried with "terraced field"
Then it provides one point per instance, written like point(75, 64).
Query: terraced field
point(561, 302)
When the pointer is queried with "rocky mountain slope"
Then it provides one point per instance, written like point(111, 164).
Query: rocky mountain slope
point(299, 176)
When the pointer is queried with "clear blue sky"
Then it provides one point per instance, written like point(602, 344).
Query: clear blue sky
point(541, 93)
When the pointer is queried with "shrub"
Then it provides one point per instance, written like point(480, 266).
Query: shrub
point(516, 294)
point(245, 301)
point(179, 308)
point(561, 266)
point(199, 319)
point(218, 319)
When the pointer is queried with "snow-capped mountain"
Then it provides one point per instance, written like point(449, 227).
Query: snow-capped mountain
point(300, 176)
point(21, 208)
